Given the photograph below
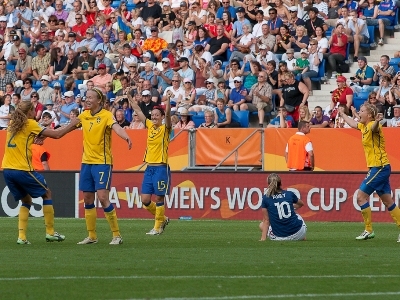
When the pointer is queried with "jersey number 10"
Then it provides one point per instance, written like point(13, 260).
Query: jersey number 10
point(280, 207)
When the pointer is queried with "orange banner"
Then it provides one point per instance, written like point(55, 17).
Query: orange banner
point(335, 149)
point(212, 146)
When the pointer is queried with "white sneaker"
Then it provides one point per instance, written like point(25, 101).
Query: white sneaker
point(26, 242)
point(88, 240)
point(334, 74)
point(398, 240)
point(116, 240)
point(366, 235)
point(153, 232)
point(164, 224)
point(380, 41)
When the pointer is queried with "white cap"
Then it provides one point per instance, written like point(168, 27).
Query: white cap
point(303, 51)
point(147, 54)
point(45, 77)
point(187, 80)
point(262, 47)
point(166, 58)
point(146, 93)
point(293, 8)
point(69, 94)
point(3, 19)
point(165, 3)
point(237, 79)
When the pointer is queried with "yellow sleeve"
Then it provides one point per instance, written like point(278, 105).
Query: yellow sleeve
point(148, 123)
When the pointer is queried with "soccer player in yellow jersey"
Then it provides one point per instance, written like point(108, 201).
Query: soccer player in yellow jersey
point(157, 176)
point(19, 175)
point(96, 170)
point(379, 168)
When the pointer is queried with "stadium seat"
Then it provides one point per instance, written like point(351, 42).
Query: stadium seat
point(243, 116)
point(198, 119)
point(357, 102)
point(371, 41)
point(395, 23)
point(115, 4)
point(321, 72)
point(10, 67)
point(130, 6)
point(395, 63)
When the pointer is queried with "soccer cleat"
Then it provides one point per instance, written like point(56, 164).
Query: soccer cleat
point(153, 232)
point(398, 240)
point(164, 224)
point(56, 237)
point(116, 240)
point(23, 242)
point(366, 235)
point(88, 240)
point(380, 41)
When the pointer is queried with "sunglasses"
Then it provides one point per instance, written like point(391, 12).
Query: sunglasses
point(237, 81)
point(187, 82)
point(140, 82)
point(78, 18)
point(174, 80)
point(34, 96)
point(43, 80)
point(164, 62)
point(27, 82)
point(84, 52)
point(153, 30)
point(179, 45)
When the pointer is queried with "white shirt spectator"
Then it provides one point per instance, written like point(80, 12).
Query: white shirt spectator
point(247, 38)
point(360, 22)
point(47, 12)
point(394, 122)
point(4, 111)
point(311, 57)
point(129, 60)
point(321, 7)
point(7, 49)
point(53, 116)
point(257, 29)
point(176, 93)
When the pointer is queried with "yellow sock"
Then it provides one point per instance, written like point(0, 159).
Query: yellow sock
point(395, 213)
point(48, 212)
point(151, 208)
point(23, 220)
point(112, 219)
point(367, 215)
point(160, 210)
point(90, 217)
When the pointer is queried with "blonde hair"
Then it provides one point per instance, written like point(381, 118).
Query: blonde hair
point(371, 109)
point(19, 117)
point(99, 95)
point(307, 116)
point(274, 184)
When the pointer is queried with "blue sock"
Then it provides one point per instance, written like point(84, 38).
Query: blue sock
point(89, 206)
point(28, 206)
point(364, 206)
point(392, 207)
point(109, 208)
point(48, 202)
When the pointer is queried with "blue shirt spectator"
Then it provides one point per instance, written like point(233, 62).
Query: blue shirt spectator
point(229, 8)
point(386, 5)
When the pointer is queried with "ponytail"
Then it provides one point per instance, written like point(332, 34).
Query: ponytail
point(274, 184)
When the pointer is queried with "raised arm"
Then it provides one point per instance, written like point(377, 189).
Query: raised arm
point(136, 108)
point(351, 122)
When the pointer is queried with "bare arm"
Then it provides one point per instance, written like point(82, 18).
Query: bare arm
point(59, 133)
point(136, 108)
point(122, 134)
point(264, 225)
point(351, 122)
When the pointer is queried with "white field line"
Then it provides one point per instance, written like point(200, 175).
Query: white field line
point(194, 277)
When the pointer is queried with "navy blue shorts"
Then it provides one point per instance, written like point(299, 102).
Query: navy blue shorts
point(95, 177)
point(22, 183)
point(156, 180)
point(377, 180)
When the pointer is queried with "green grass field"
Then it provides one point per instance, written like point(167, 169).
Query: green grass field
point(199, 260)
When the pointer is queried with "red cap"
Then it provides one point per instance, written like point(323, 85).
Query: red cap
point(102, 66)
point(341, 79)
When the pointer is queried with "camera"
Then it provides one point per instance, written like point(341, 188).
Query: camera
point(352, 78)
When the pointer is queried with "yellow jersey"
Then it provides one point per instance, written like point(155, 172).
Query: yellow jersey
point(374, 145)
point(18, 151)
point(97, 137)
point(157, 143)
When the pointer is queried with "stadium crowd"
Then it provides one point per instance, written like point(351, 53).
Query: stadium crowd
point(217, 58)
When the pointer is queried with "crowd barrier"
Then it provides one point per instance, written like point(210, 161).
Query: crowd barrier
point(335, 149)
point(328, 196)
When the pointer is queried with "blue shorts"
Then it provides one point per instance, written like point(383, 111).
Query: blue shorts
point(95, 177)
point(377, 180)
point(22, 183)
point(156, 180)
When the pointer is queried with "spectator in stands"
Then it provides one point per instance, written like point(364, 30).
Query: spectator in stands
point(151, 10)
point(233, 71)
point(155, 95)
point(155, 44)
point(257, 29)
point(373, 99)
point(5, 112)
point(80, 28)
point(39, 108)
point(267, 39)
point(282, 40)
point(364, 75)
point(59, 12)
point(67, 107)
point(120, 118)
point(384, 87)
point(6, 76)
point(89, 41)
point(386, 11)
point(384, 70)
point(244, 45)
point(40, 63)
point(58, 63)
point(102, 59)
point(388, 102)
point(163, 78)
point(185, 71)
point(23, 69)
point(25, 15)
point(265, 55)
point(300, 41)
point(274, 22)
point(17, 45)
point(237, 95)
point(27, 89)
point(209, 120)
point(126, 58)
point(294, 94)
point(102, 78)
point(251, 77)
point(282, 120)
point(338, 46)
point(85, 65)
point(282, 11)
point(322, 41)
point(319, 120)
point(146, 105)
point(224, 117)
point(359, 32)
point(202, 38)
point(72, 44)
point(313, 22)
point(238, 26)
point(370, 14)
point(185, 122)
point(45, 91)
point(294, 20)
point(219, 44)
point(200, 74)
point(189, 94)
point(176, 89)
point(226, 7)
point(289, 59)
point(315, 58)
point(260, 97)
point(342, 95)
point(304, 113)
point(395, 121)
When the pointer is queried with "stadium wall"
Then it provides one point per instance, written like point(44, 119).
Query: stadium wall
point(328, 196)
point(335, 149)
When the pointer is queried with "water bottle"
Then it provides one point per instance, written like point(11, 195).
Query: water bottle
point(185, 218)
